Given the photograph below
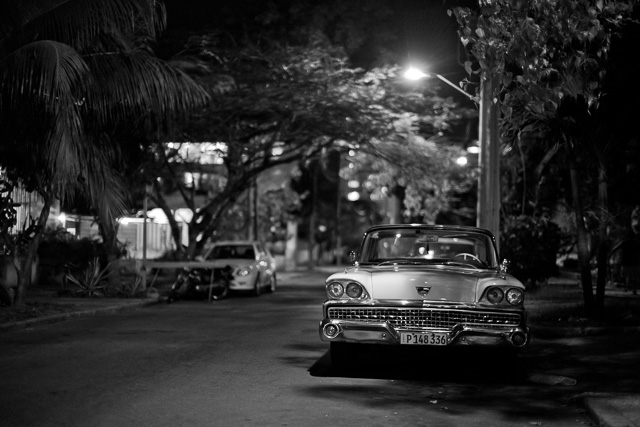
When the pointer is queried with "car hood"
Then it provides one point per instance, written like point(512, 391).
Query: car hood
point(426, 283)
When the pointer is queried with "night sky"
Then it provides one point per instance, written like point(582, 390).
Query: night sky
point(423, 32)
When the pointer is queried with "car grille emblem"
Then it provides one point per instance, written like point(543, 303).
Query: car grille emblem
point(423, 290)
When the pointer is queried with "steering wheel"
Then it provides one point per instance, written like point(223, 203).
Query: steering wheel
point(464, 256)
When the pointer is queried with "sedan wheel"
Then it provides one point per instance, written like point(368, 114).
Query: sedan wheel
point(257, 288)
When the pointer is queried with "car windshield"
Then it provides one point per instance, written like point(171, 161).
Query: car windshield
point(423, 246)
point(233, 251)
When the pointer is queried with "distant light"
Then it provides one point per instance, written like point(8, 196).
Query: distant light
point(353, 196)
point(188, 178)
point(62, 217)
point(413, 73)
point(353, 183)
point(462, 160)
point(473, 149)
point(277, 151)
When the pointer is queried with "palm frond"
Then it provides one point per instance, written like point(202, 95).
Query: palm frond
point(44, 73)
point(77, 22)
point(139, 83)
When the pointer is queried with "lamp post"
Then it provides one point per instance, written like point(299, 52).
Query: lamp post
point(488, 208)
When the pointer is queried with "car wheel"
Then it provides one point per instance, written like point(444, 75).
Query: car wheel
point(257, 288)
point(272, 284)
point(343, 354)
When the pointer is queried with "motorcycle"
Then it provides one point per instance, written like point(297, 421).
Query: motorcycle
point(200, 283)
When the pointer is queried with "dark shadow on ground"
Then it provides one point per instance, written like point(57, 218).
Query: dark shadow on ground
point(464, 365)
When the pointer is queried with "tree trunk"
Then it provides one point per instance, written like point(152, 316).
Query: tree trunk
point(176, 233)
point(109, 234)
point(584, 255)
point(603, 240)
point(397, 201)
point(25, 264)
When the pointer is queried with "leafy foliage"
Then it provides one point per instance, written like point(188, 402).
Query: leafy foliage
point(7, 217)
point(90, 280)
point(531, 245)
point(70, 78)
point(279, 102)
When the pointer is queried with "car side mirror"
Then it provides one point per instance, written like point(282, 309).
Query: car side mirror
point(352, 257)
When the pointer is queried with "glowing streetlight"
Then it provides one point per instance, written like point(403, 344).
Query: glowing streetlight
point(414, 73)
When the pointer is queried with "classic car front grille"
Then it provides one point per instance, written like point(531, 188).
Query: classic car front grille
point(425, 317)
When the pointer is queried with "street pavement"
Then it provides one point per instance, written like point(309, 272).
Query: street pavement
point(607, 409)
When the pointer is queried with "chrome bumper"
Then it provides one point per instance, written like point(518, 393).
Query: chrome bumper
point(336, 330)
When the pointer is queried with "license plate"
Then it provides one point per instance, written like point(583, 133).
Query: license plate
point(431, 338)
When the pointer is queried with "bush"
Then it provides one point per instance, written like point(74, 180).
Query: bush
point(531, 245)
point(59, 250)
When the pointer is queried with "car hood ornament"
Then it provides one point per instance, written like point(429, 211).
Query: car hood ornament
point(423, 290)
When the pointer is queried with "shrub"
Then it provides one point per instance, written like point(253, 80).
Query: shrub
point(59, 250)
point(531, 245)
point(89, 280)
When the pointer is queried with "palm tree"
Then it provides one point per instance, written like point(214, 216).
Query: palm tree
point(73, 74)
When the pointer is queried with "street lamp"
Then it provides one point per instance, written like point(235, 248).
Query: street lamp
point(414, 73)
point(488, 209)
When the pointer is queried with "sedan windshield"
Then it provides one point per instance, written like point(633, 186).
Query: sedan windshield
point(413, 245)
point(232, 251)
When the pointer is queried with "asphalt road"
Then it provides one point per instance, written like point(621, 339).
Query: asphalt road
point(258, 361)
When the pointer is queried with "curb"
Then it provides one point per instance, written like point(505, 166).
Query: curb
point(55, 318)
point(612, 410)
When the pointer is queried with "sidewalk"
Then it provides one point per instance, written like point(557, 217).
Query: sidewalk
point(67, 307)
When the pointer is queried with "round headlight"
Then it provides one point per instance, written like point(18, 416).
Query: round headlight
point(515, 296)
point(335, 290)
point(495, 295)
point(354, 290)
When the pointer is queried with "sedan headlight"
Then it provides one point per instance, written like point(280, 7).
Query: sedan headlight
point(244, 271)
point(515, 296)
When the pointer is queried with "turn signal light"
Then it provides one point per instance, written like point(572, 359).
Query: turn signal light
point(330, 330)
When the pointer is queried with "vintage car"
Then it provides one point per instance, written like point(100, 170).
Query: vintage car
point(427, 285)
point(254, 268)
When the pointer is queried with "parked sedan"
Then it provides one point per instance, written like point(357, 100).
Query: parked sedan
point(254, 268)
point(427, 285)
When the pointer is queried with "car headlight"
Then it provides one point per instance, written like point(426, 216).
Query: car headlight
point(515, 296)
point(354, 290)
point(495, 295)
point(335, 290)
point(346, 289)
point(243, 272)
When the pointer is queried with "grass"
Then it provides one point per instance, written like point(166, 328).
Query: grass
point(559, 305)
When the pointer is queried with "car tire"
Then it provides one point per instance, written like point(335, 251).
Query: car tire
point(257, 288)
point(342, 354)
